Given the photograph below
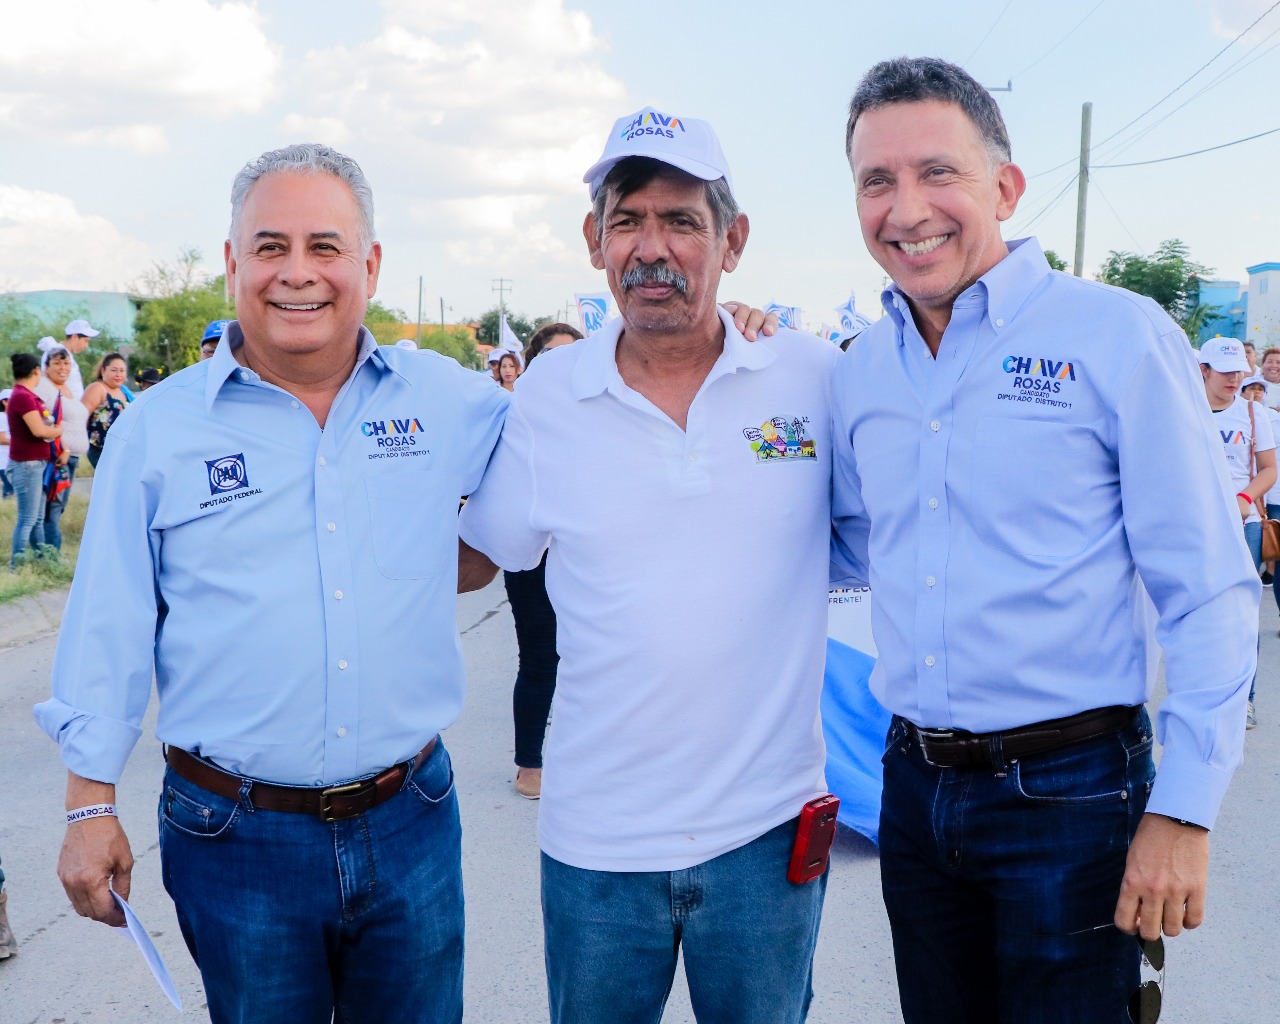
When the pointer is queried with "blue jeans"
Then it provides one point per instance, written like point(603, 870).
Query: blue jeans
point(28, 530)
point(54, 509)
point(6, 488)
point(748, 937)
point(536, 677)
point(1273, 512)
point(1001, 885)
point(292, 919)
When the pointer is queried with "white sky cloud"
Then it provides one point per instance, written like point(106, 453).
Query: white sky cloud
point(45, 242)
point(1231, 17)
point(115, 74)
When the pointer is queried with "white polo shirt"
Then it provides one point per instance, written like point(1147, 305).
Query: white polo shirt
point(688, 570)
point(1237, 442)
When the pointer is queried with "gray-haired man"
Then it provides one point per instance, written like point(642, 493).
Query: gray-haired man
point(295, 498)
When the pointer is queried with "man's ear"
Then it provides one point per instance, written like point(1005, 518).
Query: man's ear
point(230, 262)
point(593, 241)
point(736, 237)
point(1011, 183)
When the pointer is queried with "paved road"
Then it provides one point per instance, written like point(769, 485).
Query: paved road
point(75, 972)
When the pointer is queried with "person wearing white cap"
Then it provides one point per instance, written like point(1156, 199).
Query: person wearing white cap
point(1247, 441)
point(78, 335)
point(679, 476)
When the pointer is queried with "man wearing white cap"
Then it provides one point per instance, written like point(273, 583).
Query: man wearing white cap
point(680, 476)
point(1247, 441)
point(78, 333)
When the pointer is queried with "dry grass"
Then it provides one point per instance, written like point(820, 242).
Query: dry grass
point(40, 574)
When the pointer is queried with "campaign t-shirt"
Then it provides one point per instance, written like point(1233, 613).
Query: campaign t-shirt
point(1236, 431)
point(24, 446)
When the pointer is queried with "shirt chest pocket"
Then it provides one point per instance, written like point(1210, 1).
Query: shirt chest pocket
point(413, 524)
point(1034, 483)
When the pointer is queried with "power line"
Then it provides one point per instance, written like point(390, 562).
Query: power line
point(989, 31)
point(1153, 106)
point(1047, 208)
point(1191, 76)
point(1195, 152)
point(1060, 41)
point(1116, 214)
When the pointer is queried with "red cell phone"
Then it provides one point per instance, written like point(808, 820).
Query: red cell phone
point(814, 837)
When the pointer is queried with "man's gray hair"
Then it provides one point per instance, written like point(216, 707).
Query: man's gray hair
point(913, 79)
point(635, 172)
point(305, 158)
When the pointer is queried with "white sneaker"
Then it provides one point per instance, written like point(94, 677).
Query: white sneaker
point(8, 943)
point(1250, 718)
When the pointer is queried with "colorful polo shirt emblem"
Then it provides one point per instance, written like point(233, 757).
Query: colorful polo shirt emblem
point(781, 438)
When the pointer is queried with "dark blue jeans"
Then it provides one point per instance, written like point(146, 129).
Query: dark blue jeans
point(28, 528)
point(1001, 885)
point(536, 675)
point(747, 933)
point(53, 509)
point(292, 919)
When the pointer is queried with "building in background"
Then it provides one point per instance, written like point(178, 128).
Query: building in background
point(1232, 305)
point(1263, 319)
point(113, 312)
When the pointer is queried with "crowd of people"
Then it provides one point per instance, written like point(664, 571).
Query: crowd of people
point(668, 479)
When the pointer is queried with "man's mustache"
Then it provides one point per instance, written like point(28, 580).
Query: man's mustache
point(654, 273)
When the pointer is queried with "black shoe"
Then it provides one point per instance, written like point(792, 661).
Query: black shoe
point(1266, 578)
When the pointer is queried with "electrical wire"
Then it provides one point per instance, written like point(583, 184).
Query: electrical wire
point(1180, 156)
point(1059, 42)
point(1093, 182)
point(1048, 208)
point(1170, 93)
point(988, 35)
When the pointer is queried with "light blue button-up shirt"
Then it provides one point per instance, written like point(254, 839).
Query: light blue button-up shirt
point(1007, 500)
point(292, 588)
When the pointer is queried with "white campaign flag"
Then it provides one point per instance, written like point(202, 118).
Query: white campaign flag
point(593, 311)
point(508, 342)
point(851, 321)
point(788, 316)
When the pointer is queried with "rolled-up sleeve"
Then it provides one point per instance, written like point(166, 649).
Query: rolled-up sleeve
point(1198, 572)
point(103, 669)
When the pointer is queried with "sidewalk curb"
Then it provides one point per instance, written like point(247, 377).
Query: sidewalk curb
point(30, 617)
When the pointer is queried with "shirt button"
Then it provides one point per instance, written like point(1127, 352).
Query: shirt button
point(929, 581)
point(933, 503)
point(999, 322)
point(244, 374)
point(338, 594)
point(693, 456)
point(935, 426)
point(342, 664)
point(930, 661)
point(331, 527)
point(342, 731)
point(323, 461)
point(294, 404)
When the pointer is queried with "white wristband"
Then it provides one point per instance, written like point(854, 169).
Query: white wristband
point(93, 811)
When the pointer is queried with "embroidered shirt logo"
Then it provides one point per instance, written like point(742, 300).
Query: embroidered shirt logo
point(227, 474)
point(781, 438)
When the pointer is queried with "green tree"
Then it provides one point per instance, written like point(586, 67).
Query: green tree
point(377, 313)
point(518, 322)
point(21, 328)
point(1170, 276)
point(454, 342)
point(181, 301)
point(1055, 261)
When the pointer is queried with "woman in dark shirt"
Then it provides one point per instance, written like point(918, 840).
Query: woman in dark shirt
point(29, 437)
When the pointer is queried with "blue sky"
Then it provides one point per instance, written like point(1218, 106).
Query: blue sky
point(124, 123)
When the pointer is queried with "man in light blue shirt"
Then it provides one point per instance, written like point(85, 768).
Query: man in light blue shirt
point(274, 534)
point(1018, 453)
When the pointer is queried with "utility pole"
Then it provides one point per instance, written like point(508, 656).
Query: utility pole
point(419, 311)
point(442, 312)
point(501, 285)
point(1082, 186)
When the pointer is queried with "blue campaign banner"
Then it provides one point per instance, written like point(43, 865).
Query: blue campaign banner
point(854, 726)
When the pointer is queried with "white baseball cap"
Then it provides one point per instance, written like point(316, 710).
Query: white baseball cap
point(407, 344)
point(1226, 355)
point(80, 327)
point(682, 142)
point(6, 393)
point(1257, 378)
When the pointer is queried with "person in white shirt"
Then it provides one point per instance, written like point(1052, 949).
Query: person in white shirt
point(5, 490)
point(681, 477)
point(54, 387)
point(1247, 442)
point(78, 336)
point(1269, 366)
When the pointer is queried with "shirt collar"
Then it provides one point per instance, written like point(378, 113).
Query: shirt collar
point(224, 364)
point(597, 368)
point(1004, 289)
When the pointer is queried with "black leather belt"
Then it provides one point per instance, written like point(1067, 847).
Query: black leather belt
point(954, 748)
point(330, 803)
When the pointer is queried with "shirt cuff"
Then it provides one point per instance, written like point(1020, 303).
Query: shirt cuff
point(1188, 790)
point(93, 746)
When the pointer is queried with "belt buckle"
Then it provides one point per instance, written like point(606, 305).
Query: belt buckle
point(348, 789)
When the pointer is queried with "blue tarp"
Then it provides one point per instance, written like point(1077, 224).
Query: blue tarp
point(855, 726)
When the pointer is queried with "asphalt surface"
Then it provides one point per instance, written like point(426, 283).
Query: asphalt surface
point(69, 970)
